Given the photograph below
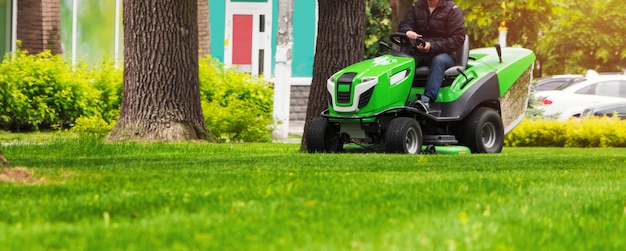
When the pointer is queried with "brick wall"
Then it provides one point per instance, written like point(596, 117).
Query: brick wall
point(39, 25)
point(204, 33)
point(298, 103)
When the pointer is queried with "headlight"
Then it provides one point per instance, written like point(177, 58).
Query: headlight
point(368, 79)
point(398, 77)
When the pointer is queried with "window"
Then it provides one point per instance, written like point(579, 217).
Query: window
point(620, 110)
point(622, 88)
point(589, 90)
point(612, 88)
point(608, 88)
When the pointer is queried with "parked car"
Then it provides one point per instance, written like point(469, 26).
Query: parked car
point(609, 110)
point(552, 82)
point(571, 98)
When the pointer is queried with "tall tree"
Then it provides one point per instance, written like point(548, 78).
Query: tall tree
point(523, 19)
point(585, 35)
point(161, 97)
point(340, 39)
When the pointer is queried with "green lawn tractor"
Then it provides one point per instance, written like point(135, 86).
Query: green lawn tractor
point(371, 103)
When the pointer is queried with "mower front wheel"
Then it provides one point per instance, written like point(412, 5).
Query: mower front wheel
point(404, 135)
point(320, 137)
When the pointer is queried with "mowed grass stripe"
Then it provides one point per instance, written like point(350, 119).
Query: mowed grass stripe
point(272, 197)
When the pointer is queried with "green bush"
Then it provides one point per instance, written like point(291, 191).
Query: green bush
point(236, 106)
point(108, 80)
point(92, 127)
point(590, 132)
point(42, 91)
point(378, 25)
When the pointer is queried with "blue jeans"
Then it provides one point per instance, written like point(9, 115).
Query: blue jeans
point(438, 66)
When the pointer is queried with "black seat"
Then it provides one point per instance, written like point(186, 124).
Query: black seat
point(462, 55)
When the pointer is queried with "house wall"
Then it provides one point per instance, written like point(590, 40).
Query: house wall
point(217, 8)
point(298, 102)
point(38, 25)
point(304, 34)
point(303, 50)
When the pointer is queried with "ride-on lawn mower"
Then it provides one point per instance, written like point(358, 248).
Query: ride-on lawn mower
point(372, 103)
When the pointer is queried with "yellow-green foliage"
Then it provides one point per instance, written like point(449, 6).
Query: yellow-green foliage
point(588, 132)
point(92, 126)
point(42, 91)
point(236, 106)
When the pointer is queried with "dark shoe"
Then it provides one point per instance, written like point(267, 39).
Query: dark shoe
point(421, 105)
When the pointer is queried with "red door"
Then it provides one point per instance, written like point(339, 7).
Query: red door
point(242, 41)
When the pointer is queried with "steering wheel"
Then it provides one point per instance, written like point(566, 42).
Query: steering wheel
point(401, 39)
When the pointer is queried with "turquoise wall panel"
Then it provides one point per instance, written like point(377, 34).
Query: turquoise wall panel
point(275, 33)
point(304, 30)
point(217, 9)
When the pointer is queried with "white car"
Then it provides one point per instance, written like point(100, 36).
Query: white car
point(571, 98)
point(550, 83)
point(606, 110)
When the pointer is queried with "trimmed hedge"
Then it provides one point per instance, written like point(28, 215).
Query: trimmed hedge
point(236, 106)
point(589, 132)
point(42, 92)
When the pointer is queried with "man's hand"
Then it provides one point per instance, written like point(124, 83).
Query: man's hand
point(412, 35)
point(424, 48)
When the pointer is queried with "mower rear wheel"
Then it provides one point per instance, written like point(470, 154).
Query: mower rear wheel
point(482, 131)
point(404, 135)
point(320, 137)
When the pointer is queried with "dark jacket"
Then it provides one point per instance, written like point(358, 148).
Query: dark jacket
point(444, 28)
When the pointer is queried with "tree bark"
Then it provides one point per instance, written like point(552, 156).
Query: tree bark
point(161, 97)
point(340, 39)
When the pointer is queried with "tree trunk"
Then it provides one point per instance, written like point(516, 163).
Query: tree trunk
point(340, 39)
point(204, 31)
point(161, 98)
point(398, 11)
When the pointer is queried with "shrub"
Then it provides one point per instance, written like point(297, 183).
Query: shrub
point(42, 91)
point(236, 106)
point(108, 80)
point(92, 127)
point(590, 132)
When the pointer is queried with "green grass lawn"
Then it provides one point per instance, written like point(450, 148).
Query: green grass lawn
point(90, 196)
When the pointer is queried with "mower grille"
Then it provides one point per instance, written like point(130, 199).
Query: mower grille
point(343, 97)
point(344, 87)
point(365, 97)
